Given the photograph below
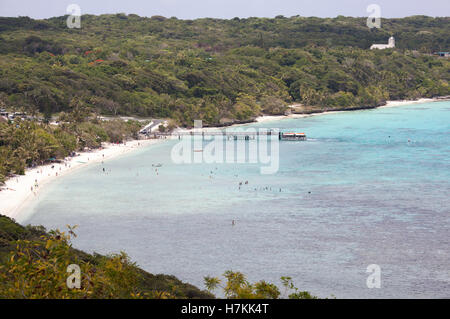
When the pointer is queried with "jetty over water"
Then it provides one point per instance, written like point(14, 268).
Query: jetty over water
point(292, 136)
point(288, 136)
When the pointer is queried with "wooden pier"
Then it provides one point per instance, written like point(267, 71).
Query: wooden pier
point(234, 135)
point(292, 136)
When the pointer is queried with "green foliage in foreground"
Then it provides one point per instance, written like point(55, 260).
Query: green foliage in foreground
point(219, 71)
point(28, 143)
point(33, 264)
point(237, 287)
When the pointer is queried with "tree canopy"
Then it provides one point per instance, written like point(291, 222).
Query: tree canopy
point(219, 71)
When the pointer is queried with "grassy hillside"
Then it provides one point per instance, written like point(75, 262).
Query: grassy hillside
point(220, 71)
point(33, 264)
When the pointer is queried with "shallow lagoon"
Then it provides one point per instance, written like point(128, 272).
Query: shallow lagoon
point(368, 187)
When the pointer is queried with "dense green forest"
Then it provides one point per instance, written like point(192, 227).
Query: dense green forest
point(220, 71)
point(33, 265)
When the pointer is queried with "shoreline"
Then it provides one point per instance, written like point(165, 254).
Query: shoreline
point(21, 189)
point(270, 118)
point(392, 103)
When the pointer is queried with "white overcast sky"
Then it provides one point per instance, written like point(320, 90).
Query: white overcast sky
point(190, 9)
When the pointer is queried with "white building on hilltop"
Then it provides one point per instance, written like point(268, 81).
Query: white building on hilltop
point(390, 45)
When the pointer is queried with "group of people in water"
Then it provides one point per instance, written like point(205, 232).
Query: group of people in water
point(265, 188)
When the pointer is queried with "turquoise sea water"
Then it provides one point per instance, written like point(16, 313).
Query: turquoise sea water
point(368, 187)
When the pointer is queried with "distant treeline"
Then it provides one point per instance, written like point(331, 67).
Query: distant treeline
point(219, 71)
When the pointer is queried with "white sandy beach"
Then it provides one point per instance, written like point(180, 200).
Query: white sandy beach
point(268, 118)
point(18, 190)
point(409, 102)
